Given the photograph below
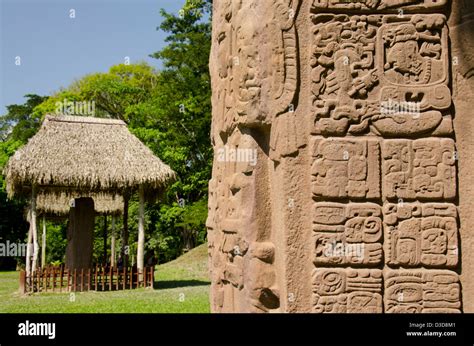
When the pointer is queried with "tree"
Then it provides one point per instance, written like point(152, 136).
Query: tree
point(182, 116)
point(169, 110)
point(20, 123)
point(16, 127)
point(119, 91)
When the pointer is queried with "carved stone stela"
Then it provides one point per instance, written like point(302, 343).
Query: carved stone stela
point(352, 204)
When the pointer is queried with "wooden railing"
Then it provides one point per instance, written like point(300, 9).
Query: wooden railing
point(60, 279)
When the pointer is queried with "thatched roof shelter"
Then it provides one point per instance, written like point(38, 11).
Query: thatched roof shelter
point(74, 157)
point(59, 205)
point(71, 153)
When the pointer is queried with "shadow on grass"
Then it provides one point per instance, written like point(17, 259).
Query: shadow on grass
point(179, 283)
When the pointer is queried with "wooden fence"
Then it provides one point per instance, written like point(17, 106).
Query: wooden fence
point(60, 279)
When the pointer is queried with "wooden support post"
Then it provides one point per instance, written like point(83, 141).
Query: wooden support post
point(137, 282)
point(125, 250)
point(89, 279)
point(104, 278)
point(111, 278)
point(22, 282)
point(124, 278)
point(74, 280)
point(61, 279)
point(96, 269)
point(141, 233)
point(82, 279)
point(118, 278)
point(54, 279)
point(112, 243)
point(43, 244)
point(68, 280)
point(34, 229)
point(29, 249)
point(144, 277)
point(153, 276)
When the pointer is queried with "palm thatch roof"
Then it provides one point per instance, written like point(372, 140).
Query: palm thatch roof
point(72, 154)
point(60, 204)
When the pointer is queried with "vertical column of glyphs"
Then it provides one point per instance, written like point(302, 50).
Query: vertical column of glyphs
point(385, 224)
point(251, 99)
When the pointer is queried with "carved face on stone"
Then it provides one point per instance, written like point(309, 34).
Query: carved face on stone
point(246, 65)
point(404, 58)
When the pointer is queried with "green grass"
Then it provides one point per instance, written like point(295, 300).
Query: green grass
point(181, 286)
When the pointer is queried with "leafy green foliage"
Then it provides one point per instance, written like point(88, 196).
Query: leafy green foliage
point(19, 124)
point(16, 127)
point(169, 111)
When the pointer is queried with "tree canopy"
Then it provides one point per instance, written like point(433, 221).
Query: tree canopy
point(168, 110)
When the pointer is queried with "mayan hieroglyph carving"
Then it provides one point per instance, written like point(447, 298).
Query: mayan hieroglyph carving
point(428, 291)
point(355, 108)
point(383, 74)
point(420, 169)
point(347, 234)
point(421, 234)
point(345, 168)
point(351, 291)
point(256, 84)
point(371, 5)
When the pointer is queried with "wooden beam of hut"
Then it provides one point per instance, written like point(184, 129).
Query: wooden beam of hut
point(125, 249)
point(56, 203)
point(141, 230)
point(34, 229)
point(43, 244)
point(29, 248)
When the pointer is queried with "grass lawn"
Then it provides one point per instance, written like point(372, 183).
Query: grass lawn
point(181, 286)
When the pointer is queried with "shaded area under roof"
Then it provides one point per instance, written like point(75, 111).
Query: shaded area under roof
point(60, 204)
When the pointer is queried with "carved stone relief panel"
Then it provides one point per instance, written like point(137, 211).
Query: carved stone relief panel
point(422, 169)
point(377, 5)
point(347, 235)
point(427, 291)
point(419, 234)
point(347, 290)
point(381, 74)
point(373, 221)
point(345, 168)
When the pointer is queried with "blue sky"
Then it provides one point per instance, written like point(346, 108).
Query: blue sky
point(55, 49)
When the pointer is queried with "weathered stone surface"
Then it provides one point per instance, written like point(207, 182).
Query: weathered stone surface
point(427, 291)
point(80, 234)
point(352, 291)
point(342, 180)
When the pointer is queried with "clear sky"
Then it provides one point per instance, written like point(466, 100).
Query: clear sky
point(55, 49)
